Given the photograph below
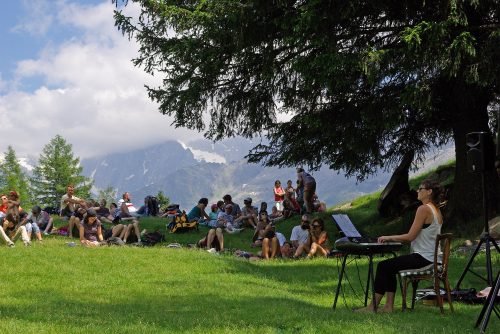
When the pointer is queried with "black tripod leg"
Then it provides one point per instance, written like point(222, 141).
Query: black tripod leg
point(471, 259)
point(339, 285)
point(488, 306)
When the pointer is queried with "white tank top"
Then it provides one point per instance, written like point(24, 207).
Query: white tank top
point(425, 241)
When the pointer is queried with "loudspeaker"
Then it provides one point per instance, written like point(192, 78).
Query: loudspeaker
point(478, 144)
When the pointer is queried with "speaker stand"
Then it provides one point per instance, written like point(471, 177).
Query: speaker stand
point(487, 240)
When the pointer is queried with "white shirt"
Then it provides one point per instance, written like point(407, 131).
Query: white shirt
point(299, 234)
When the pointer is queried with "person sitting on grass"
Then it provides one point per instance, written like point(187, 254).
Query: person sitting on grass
point(198, 212)
point(131, 224)
point(12, 224)
point(103, 213)
point(270, 244)
point(263, 207)
point(300, 237)
point(68, 208)
point(318, 239)
point(226, 219)
point(36, 220)
point(213, 241)
point(275, 215)
point(45, 221)
point(91, 230)
point(263, 226)
point(248, 215)
point(236, 211)
point(212, 222)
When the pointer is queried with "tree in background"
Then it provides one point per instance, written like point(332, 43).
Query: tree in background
point(57, 167)
point(12, 177)
point(163, 201)
point(362, 86)
point(109, 194)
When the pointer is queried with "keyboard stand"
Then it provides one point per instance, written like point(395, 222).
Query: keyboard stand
point(370, 279)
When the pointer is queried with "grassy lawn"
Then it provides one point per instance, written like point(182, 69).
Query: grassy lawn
point(53, 288)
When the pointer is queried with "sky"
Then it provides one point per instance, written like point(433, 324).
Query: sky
point(66, 69)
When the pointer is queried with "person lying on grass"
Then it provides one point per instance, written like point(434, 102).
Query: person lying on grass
point(90, 230)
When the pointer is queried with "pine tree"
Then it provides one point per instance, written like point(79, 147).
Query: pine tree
point(12, 177)
point(57, 168)
point(109, 194)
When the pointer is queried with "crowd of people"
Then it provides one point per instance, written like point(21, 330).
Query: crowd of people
point(88, 220)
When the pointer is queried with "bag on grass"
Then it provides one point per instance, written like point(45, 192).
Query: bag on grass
point(180, 224)
point(152, 238)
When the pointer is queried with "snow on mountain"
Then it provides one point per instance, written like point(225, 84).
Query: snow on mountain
point(204, 156)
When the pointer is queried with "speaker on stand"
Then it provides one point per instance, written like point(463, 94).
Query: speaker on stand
point(478, 145)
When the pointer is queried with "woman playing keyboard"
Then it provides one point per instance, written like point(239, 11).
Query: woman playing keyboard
point(422, 236)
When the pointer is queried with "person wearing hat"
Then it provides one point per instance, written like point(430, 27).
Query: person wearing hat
point(248, 216)
point(90, 230)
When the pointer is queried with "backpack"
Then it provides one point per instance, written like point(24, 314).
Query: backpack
point(152, 238)
point(151, 205)
point(180, 223)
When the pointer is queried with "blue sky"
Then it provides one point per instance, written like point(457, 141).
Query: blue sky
point(65, 69)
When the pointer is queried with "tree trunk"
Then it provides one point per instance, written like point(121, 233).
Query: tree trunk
point(467, 112)
point(397, 196)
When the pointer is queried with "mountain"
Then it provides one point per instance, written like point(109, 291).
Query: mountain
point(173, 168)
point(187, 172)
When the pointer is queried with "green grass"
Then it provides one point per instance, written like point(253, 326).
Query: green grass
point(52, 288)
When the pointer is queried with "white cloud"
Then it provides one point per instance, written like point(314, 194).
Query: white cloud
point(92, 95)
point(39, 18)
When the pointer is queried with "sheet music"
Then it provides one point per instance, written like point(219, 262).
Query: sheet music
point(346, 226)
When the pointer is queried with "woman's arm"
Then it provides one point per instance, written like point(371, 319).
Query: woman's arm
point(82, 233)
point(322, 238)
point(99, 233)
point(421, 216)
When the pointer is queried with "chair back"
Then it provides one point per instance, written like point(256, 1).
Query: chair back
point(445, 241)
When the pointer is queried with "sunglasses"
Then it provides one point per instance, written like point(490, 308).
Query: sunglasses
point(422, 188)
point(315, 225)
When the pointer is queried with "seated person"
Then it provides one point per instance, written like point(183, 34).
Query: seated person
point(126, 206)
point(263, 207)
point(248, 215)
point(213, 216)
point(68, 207)
point(300, 237)
point(198, 212)
point(124, 216)
point(263, 226)
point(318, 238)
point(12, 224)
point(226, 219)
point(236, 211)
point(275, 215)
point(36, 221)
point(103, 213)
point(213, 240)
point(270, 245)
point(90, 230)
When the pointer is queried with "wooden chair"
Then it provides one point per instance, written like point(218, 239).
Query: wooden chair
point(435, 272)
